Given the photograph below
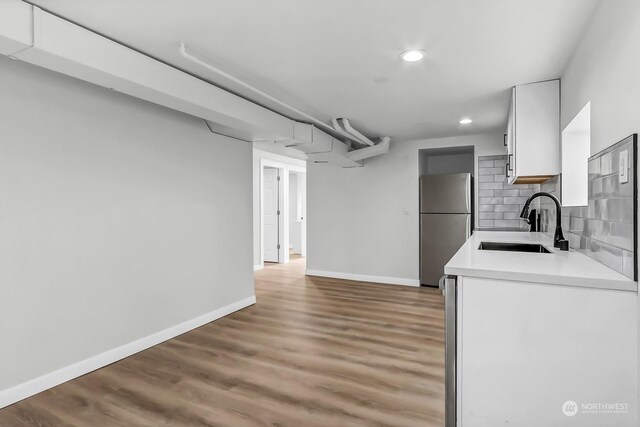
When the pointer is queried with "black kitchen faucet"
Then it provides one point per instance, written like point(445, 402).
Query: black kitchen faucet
point(558, 238)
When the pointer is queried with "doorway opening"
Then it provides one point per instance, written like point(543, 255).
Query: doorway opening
point(282, 212)
point(297, 203)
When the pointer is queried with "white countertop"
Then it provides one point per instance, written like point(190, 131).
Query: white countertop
point(559, 268)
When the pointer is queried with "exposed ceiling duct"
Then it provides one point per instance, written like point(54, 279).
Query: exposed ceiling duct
point(30, 34)
point(378, 149)
point(184, 52)
point(322, 148)
point(308, 138)
point(343, 125)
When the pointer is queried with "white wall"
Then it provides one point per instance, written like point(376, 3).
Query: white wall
point(364, 221)
point(286, 164)
point(119, 219)
point(605, 69)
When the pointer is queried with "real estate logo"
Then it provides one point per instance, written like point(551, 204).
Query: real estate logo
point(570, 408)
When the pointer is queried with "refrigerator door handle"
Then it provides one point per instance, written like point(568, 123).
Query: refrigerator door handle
point(468, 191)
point(468, 226)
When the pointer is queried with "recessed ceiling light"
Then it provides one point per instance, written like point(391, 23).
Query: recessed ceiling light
point(412, 55)
point(465, 121)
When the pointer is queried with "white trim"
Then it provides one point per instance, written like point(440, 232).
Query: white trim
point(52, 379)
point(365, 278)
point(258, 267)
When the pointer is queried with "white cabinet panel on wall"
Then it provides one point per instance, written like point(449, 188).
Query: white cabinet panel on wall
point(533, 133)
point(16, 26)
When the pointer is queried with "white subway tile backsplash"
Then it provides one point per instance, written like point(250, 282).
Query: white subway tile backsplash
point(490, 185)
point(508, 223)
point(490, 215)
point(508, 193)
point(594, 168)
point(515, 200)
point(508, 208)
point(606, 164)
point(618, 210)
point(576, 241)
point(498, 200)
point(620, 235)
point(512, 215)
point(576, 225)
point(607, 255)
point(603, 230)
point(490, 171)
point(611, 187)
point(489, 200)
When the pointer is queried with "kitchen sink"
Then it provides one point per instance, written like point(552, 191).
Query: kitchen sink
point(514, 247)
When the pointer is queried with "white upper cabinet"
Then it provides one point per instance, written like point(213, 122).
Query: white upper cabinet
point(533, 133)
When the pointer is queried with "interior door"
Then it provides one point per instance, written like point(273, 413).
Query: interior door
point(271, 200)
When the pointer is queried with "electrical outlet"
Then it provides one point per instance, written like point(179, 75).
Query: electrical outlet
point(623, 167)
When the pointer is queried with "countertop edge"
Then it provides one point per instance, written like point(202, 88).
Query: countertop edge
point(576, 282)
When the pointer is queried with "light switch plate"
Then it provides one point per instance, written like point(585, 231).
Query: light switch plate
point(623, 167)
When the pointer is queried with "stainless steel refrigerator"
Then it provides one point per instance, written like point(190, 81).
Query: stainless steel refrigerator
point(445, 221)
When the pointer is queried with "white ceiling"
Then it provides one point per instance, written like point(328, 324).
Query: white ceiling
point(325, 56)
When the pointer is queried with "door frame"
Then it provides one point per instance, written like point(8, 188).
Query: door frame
point(283, 220)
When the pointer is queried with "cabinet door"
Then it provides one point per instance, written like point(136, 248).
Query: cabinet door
point(510, 168)
point(536, 129)
point(526, 348)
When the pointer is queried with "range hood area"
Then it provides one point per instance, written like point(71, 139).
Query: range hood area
point(32, 35)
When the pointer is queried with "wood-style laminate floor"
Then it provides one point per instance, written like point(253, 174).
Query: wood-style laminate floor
point(311, 352)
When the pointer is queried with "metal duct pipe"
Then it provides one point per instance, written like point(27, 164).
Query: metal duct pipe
point(340, 130)
point(185, 54)
point(379, 149)
point(354, 133)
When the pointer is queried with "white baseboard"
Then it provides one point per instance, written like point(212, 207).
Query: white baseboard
point(365, 278)
point(52, 379)
point(258, 267)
